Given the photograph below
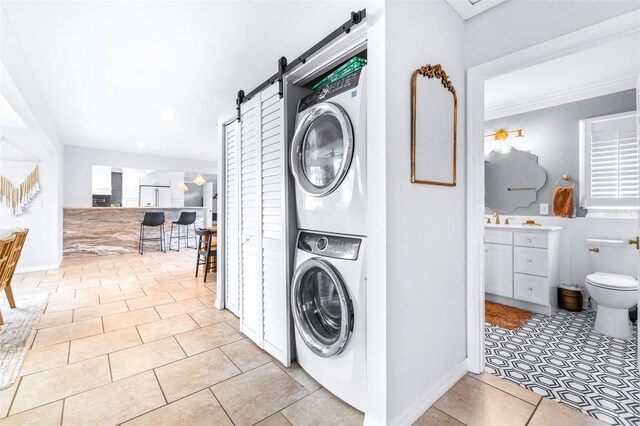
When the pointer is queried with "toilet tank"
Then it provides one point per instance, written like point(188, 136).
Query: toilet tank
point(613, 256)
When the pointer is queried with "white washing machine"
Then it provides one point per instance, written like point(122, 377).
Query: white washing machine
point(328, 157)
point(328, 296)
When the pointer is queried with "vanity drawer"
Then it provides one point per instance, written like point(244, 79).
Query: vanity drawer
point(498, 237)
point(532, 261)
point(530, 239)
point(530, 289)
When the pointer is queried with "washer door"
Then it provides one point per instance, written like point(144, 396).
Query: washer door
point(322, 309)
point(322, 149)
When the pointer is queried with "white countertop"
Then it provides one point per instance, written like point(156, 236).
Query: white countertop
point(520, 227)
point(133, 208)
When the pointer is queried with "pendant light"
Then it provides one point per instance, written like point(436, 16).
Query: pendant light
point(199, 180)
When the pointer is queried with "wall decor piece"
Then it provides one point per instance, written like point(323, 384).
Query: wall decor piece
point(434, 117)
point(512, 180)
point(19, 198)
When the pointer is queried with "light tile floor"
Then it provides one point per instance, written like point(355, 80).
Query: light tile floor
point(130, 339)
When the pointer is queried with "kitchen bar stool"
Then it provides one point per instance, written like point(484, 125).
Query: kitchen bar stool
point(154, 219)
point(205, 250)
point(186, 219)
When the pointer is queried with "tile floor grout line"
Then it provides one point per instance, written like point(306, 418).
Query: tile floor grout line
point(110, 370)
point(77, 393)
point(15, 394)
point(534, 412)
point(507, 392)
point(161, 390)
point(221, 406)
point(181, 348)
point(300, 399)
point(451, 417)
point(62, 412)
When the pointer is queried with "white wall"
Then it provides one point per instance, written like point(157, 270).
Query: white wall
point(79, 162)
point(515, 25)
point(377, 277)
point(424, 237)
point(43, 247)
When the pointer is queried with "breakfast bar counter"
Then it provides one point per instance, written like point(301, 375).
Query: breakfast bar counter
point(111, 230)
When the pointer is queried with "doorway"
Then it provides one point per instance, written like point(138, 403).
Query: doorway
point(551, 377)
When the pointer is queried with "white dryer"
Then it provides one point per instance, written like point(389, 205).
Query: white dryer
point(328, 297)
point(328, 157)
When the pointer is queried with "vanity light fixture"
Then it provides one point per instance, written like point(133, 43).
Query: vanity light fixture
point(199, 180)
point(502, 142)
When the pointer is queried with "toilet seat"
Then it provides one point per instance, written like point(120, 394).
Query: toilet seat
point(613, 281)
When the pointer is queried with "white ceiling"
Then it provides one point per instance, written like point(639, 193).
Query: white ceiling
point(467, 9)
point(607, 68)
point(8, 117)
point(110, 71)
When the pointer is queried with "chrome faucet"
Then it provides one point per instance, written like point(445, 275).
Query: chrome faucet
point(496, 216)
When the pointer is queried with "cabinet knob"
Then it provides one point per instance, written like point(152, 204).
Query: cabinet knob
point(529, 260)
point(530, 289)
point(529, 239)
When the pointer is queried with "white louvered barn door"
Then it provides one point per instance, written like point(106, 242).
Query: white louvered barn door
point(275, 283)
point(250, 200)
point(230, 226)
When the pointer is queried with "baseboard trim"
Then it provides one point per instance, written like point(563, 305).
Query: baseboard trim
point(37, 268)
point(370, 421)
point(427, 400)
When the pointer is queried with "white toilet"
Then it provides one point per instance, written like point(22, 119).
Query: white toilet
point(614, 287)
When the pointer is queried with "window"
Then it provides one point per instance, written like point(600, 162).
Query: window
point(609, 164)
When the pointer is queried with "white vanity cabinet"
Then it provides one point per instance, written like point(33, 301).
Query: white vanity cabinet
point(498, 270)
point(521, 266)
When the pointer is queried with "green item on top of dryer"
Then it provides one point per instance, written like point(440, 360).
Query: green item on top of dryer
point(349, 67)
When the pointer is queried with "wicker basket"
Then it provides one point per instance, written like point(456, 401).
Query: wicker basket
point(571, 300)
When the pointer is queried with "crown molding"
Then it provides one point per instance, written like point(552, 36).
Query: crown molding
point(559, 98)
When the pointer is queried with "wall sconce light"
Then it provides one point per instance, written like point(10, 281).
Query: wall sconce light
point(502, 142)
point(199, 180)
point(185, 188)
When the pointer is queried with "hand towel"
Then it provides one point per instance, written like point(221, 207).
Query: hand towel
point(563, 202)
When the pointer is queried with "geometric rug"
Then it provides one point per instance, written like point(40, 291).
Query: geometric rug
point(16, 335)
point(562, 358)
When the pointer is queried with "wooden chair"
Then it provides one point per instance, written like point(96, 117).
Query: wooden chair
point(10, 268)
point(206, 251)
point(6, 248)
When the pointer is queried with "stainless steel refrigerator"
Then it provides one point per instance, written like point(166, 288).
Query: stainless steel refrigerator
point(155, 196)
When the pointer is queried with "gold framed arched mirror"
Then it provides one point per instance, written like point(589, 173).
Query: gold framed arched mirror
point(434, 116)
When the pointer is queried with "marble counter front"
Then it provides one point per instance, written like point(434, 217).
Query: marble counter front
point(111, 230)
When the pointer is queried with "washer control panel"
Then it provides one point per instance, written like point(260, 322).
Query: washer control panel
point(329, 245)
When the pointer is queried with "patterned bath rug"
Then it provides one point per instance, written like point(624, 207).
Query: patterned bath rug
point(505, 316)
point(16, 335)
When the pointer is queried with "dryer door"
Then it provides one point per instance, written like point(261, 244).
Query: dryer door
point(322, 308)
point(322, 149)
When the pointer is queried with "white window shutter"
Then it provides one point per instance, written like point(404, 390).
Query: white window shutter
point(610, 163)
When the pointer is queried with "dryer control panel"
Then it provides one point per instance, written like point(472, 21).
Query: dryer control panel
point(332, 89)
point(329, 245)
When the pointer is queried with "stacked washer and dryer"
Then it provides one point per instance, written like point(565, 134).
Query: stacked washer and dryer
point(328, 289)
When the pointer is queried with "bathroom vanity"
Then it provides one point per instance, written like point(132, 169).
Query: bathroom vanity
point(522, 266)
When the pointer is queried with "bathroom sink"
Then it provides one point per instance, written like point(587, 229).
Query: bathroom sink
point(519, 226)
